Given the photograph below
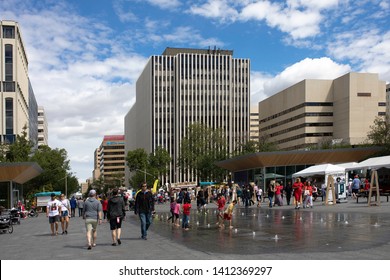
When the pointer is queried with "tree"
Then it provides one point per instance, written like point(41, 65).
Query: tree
point(251, 146)
point(55, 167)
point(200, 148)
point(160, 160)
point(147, 167)
point(380, 133)
point(20, 150)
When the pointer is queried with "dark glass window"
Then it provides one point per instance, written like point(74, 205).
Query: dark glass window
point(9, 32)
point(9, 116)
point(8, 57)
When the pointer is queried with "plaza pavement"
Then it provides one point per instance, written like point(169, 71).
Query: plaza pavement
point(346, 231)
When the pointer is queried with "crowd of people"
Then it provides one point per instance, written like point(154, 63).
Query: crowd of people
point(111, 208)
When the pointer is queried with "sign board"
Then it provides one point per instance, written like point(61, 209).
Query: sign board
point(42, 200)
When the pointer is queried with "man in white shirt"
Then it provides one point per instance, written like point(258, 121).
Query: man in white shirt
point(53, 211)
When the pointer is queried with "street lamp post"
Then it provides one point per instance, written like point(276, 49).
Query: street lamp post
point(145, 174)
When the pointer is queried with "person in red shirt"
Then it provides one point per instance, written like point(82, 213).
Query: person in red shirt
point(278, 194)
point(366, 185)
point(186, 214)
point(297, 187)
point(104, 202)
point(221, 206)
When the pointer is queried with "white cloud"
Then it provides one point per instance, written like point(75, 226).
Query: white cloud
point(219, 9)
point(123, 13)
point(263, 86)
point(368, 50)
point(165, 4)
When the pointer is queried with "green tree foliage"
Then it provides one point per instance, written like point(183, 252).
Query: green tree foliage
point(200, 148)
point(21, 149)
point(262, 145)
point(147, 167)
point(379, 134)
point(55, 167)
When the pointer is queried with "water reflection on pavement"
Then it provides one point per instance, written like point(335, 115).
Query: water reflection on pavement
point(282, 230)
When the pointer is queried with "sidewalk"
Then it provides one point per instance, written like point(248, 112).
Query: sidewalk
point(342, 231)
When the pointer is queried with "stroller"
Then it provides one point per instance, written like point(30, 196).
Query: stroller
point(6, 223)
point(15, 216)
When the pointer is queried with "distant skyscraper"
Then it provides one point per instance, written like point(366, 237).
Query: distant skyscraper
point(42, 127)
point(18, 108)
point(186, 86)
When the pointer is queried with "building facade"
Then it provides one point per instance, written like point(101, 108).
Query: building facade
point(43, 138)
point(18, 105)
point(313, 111)
point(111, 160)
point(186, 86)
point(254, 123)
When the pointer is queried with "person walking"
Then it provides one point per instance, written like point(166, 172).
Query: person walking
point(288, 191)
point(104, 202)
point(144, 207)
point(186, 214)
point(297, 187)
point(221, 201)
point(65, 213)
point(80, 205)
point(116, 212)
point(73, 205)
point(92, 214)
point(308, 195)
point(53, 211)
point(271, 192)
point(355, 186)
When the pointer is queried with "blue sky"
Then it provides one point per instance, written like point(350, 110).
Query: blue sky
point(86, 55)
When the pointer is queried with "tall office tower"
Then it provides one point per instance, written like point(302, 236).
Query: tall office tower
point(42, 127)
point(314, 111)
point(18, 108)
point(186, 86)
point(111, 160)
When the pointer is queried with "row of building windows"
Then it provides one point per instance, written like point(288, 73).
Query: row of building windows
point(312, 114)
point(305, 104)
point(287, 130)
point(303, 136)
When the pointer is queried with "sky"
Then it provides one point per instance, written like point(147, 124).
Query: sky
point(86, 55)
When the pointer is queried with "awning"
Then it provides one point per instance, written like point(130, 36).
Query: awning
point(322, 169)
point(373, 163)
point(19, 172)
point(288, 158)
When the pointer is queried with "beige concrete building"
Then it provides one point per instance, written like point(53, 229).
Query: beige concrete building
point(111, 160)
point(186, 86)
point(18, 107)
point(314, 111)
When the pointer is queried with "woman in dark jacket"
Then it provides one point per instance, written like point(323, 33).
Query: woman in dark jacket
point(116, 213)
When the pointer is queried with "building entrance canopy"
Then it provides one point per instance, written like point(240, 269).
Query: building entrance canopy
point(19, 172)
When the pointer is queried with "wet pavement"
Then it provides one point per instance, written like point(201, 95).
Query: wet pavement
point(341, 231)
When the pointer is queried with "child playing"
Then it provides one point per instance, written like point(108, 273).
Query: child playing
point(176, 213)
point(221, 206)
point(227, 216)
point(186, 214)
point(172, 206)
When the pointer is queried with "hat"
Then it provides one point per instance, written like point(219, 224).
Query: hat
point(92, 192)
point(53, 195)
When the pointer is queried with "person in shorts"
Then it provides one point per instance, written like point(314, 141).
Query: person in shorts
point(65, 214)
point(228, 215)
point(53, 211)
point(116, 213)
point(92, 215)
point(221, 201)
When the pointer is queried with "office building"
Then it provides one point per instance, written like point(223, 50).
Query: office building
point(110, 160)
point(314, 111)
point(186, 86)
point(43, 138)
point(19, 109)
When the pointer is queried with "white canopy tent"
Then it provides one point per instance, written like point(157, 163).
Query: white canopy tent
point(321, 169)
point(330, 172)
point(372, 163)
